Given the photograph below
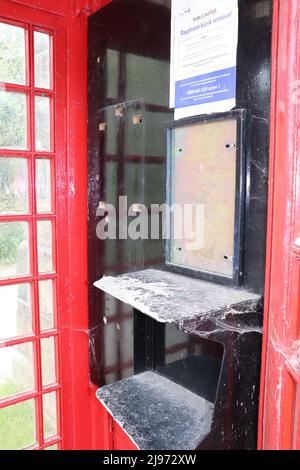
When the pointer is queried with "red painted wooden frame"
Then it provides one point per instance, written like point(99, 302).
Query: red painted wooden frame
point(32, 22)
point(279, 424)
point(85, 425)
point(81, 426)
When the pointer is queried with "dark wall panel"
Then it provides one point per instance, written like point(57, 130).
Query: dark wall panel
point(129, 54)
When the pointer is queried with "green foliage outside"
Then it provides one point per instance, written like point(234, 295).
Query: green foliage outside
point(17, 423)
point(11, 236)
point(12, 105)
point(12, 172)
point(12, 120)
point(12, 130)
point(12, 66)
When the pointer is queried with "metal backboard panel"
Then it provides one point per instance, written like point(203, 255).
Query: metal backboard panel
point(203, 172)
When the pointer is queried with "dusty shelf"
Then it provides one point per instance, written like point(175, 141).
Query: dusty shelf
point(156, 413)
point(171, 298)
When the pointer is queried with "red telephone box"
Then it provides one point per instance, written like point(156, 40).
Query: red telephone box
point(43, 280)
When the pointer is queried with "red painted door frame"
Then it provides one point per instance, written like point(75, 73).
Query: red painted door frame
point(279, 426)
point(77, 395)
point(32, 21)
point(85, 424)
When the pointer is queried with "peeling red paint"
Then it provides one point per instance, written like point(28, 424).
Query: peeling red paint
point(88, 7)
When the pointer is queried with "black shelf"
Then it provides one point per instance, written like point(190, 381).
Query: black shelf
point(173, 298)
point(158, 414)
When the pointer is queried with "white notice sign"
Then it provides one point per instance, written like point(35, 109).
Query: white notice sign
point(203, 56)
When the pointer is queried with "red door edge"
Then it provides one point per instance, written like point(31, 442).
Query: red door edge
point(274, 78)
point(279, 418)
point(84, 424)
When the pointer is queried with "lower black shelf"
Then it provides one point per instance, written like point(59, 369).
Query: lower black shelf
point(205, 398)
point(158, 414)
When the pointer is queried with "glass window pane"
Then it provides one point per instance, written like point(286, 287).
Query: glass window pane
point(42, 123)
point(17, 426)
point(16, 311)
point(16, 370)
point(43, 186)
point(55, 447)
point(46, 305)
point(13, 185)
point(50, 415)
point(13, 120)
point(48, 361)
point(42, 60)
point(203, 179)
point(44, 235)
point(12, 54)
point(14, 249)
